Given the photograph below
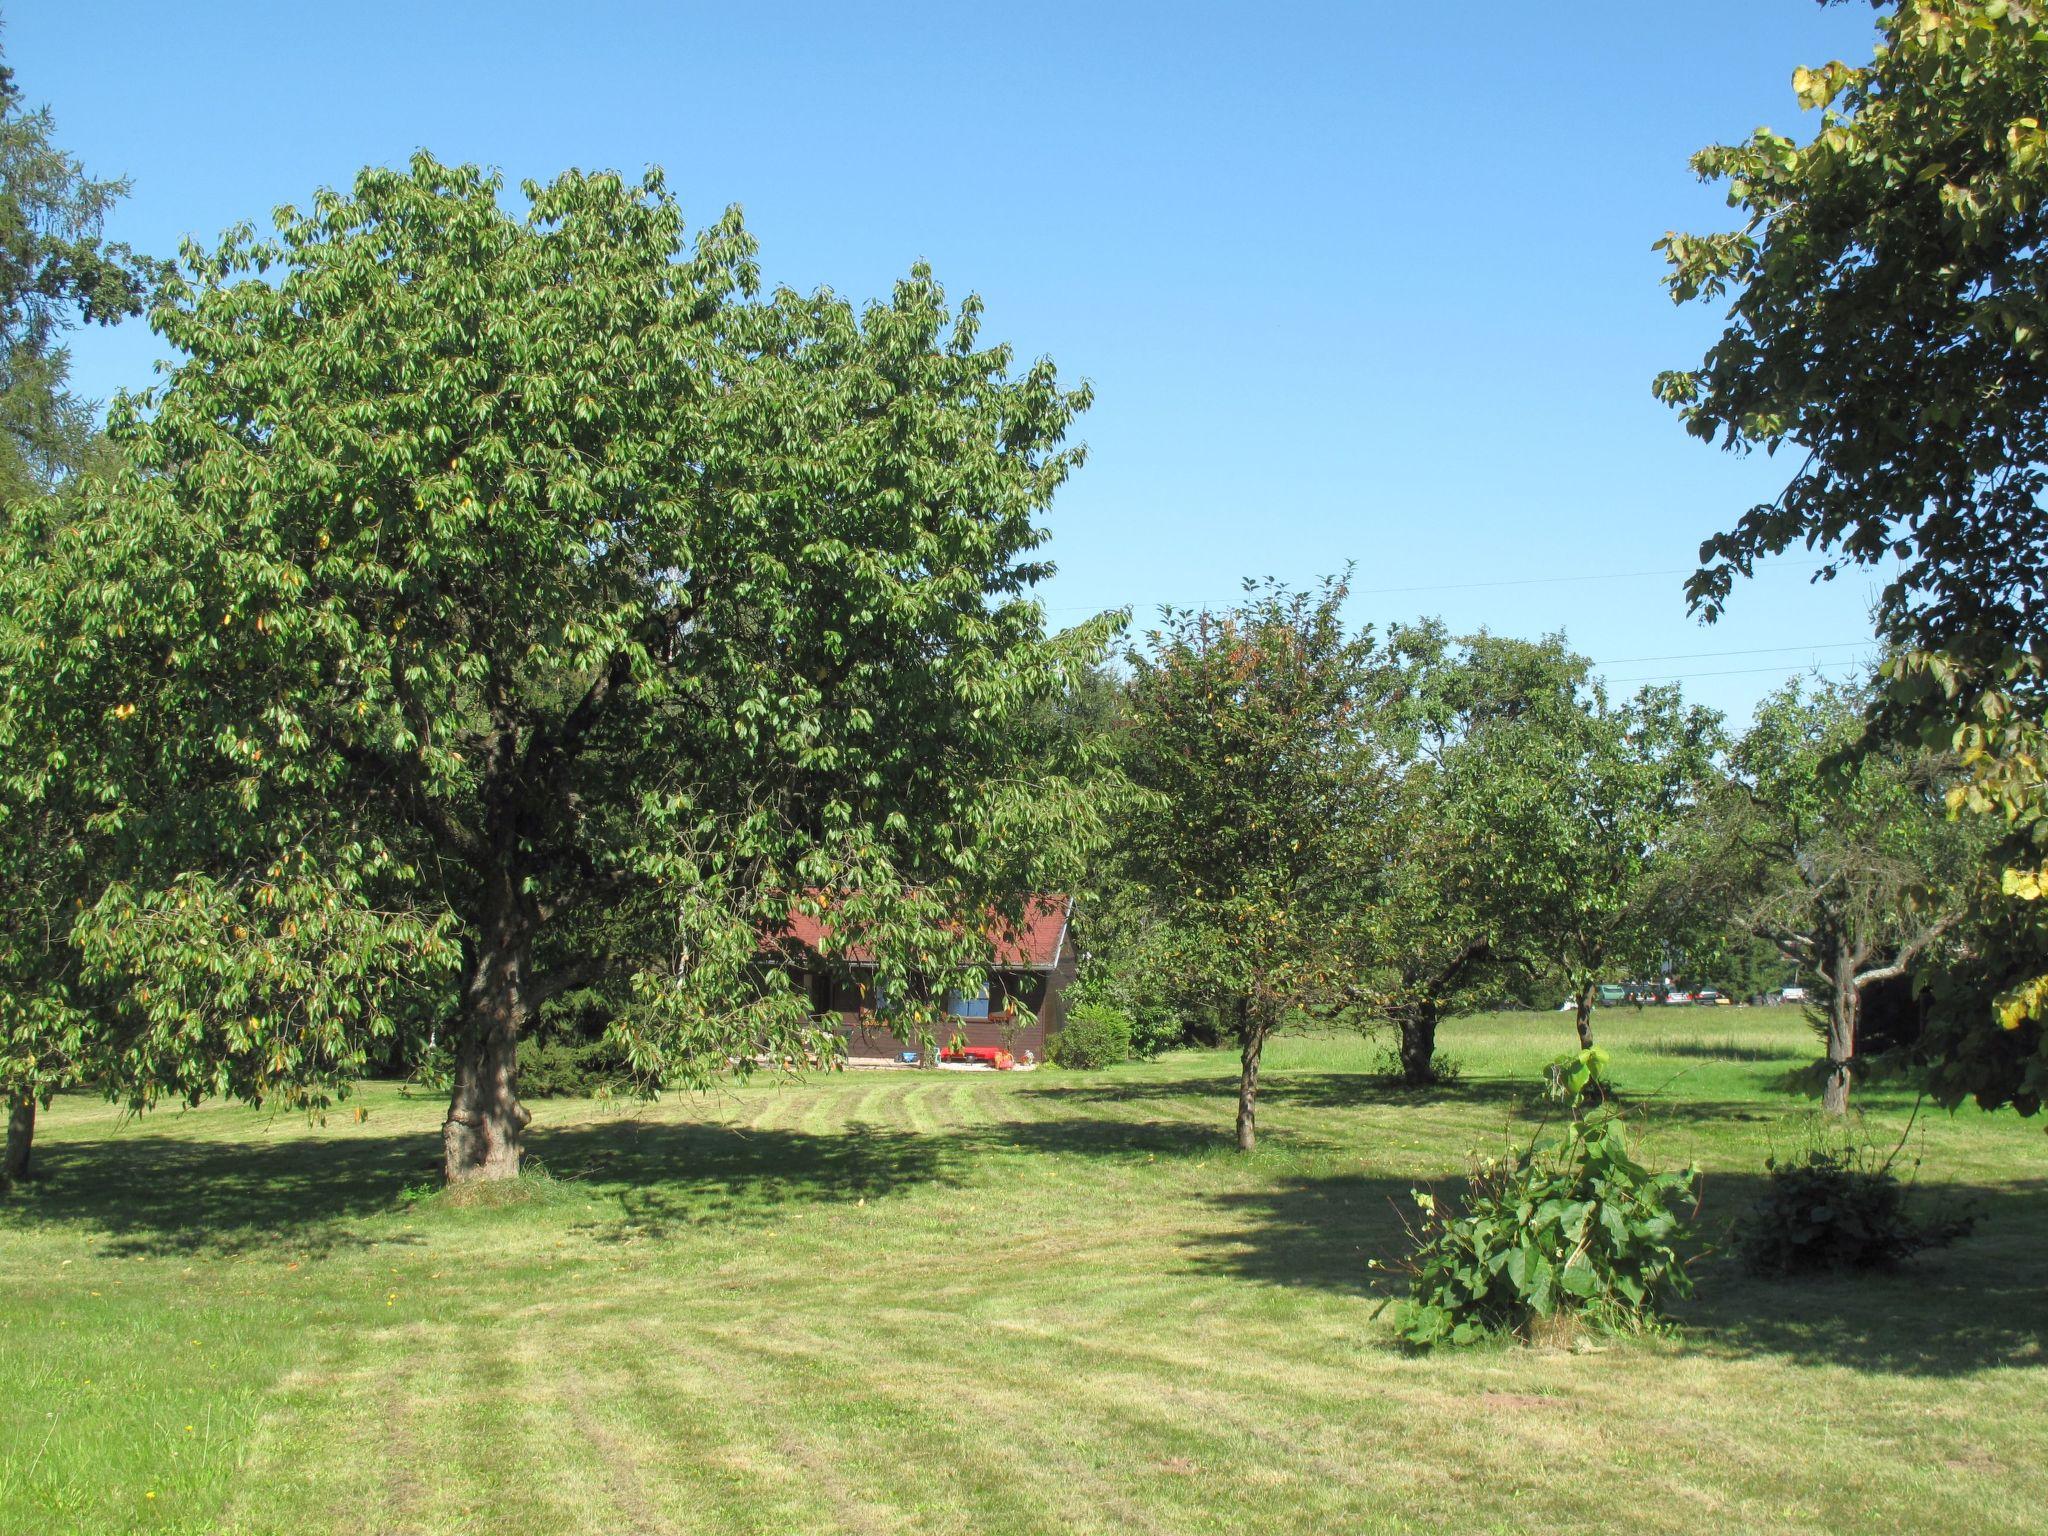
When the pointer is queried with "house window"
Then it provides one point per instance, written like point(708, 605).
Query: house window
point(968, 1005)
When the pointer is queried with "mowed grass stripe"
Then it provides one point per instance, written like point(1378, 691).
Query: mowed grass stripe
point(995, 1303)
point(986, 1467)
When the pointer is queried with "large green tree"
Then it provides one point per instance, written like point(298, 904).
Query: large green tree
point(1887, 296)
point(1253, 736)
point(57, 270)
point(1843, 853)
point(1578, 813)
point(499, 603)
point(1441, 931)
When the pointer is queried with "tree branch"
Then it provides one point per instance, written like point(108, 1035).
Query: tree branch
point(1906, 956)
point(580, 973)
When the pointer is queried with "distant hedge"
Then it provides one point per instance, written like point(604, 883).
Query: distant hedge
point(1095, 1035)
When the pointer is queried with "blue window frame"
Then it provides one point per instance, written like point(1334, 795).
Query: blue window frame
point(963, 1005)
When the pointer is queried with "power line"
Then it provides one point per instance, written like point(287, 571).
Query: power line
point(1680, 677)
point(1464, 586)
point(1762, 650)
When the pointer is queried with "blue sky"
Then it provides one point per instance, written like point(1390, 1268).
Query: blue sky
point(1366, 282)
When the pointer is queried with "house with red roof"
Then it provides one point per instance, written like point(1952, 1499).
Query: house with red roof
point(1019, 1008)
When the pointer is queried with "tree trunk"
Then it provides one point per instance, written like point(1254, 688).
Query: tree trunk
point(21, 1130)
point(1585, 1016)
point(1418, 1048)
point(481, 1137)
point(1253, 1035)
point(1843, 1008)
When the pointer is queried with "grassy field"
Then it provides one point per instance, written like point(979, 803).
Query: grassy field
point(1050, 1302)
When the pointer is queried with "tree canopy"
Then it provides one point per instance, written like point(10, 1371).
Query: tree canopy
point(1841, 852)
point(56, 271)
point(1254, 739)
point(1578, 810)
point(1888, 325)
point(478, 579)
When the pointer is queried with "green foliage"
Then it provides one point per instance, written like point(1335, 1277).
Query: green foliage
point(1095, 1035)
point(569, 1068)
point(56, 269)
point(1833, 843)
point(1572, 1227)
point(1255, 741)
point(1887, 324)
point(553, 1066)
point(496, 605)
point(1249, 734)
point(1835, 1206)
point(1440, 934)
point(1984, 1040)
point(1886, 321)
point(1131, 964)
point(1576, 812)
point(1579, 1076)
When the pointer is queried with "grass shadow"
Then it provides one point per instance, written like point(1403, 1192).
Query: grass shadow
point(1976, 1306)
point(154, 1194)
point(1304, 1090)
point(1322, 1233)
point(1710, 1050)
point(164, 1194)
point(670, 1177)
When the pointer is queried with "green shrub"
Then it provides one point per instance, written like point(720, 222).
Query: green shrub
point(1444, 1068)
point(1155, 1027)
point(553, 1068)
point(1095, 1035)
point(1835, 1207)
point(571, 1069)
point(1572, 1229)
point(1159, 1018)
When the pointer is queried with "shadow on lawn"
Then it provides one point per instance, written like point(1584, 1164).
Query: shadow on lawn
point(159, 1194)
point(1977, 1305)
point(1710, 1050)
point(667, 1178)
point(1316, 1232)
point(1302, 1090)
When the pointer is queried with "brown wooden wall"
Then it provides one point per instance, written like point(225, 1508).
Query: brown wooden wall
point(1042, 992)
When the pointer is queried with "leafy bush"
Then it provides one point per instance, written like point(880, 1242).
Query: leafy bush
point(571, 1069)
point(1444, 1068)
point(557, 1068)
point(1156, 1026)
point(1160, 1020)
point(1572, 1229)
point(1095, 1035)
point(1834, 1207)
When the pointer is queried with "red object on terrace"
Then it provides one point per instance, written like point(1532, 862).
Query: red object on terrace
point(991, 1055)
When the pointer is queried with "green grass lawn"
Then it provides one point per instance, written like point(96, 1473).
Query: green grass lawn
point(1057, 1302)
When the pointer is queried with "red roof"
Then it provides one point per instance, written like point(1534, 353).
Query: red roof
point(1033, 944)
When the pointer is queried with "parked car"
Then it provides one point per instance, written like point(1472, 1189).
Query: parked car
point(1709, 997)
point(1792, 994)
point(1677, 995)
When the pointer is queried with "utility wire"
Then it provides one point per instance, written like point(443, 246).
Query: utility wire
point(1761, 650)
point(1464, 586)
point(1680, 677)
